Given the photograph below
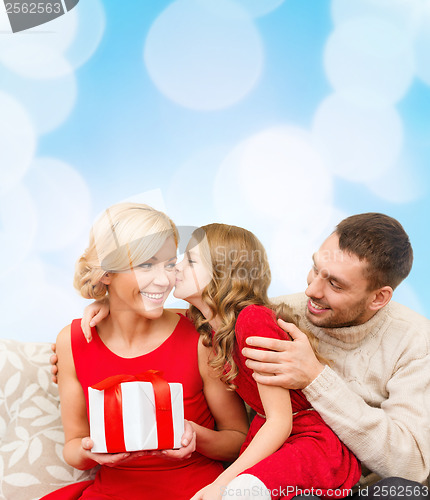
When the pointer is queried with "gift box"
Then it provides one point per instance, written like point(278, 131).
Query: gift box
point(136, 412)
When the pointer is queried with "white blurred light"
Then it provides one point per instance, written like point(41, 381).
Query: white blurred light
point(203, 57)
point(48, 102)
point(282, 173)
point(60, 306)
point(17, 142)
point(358, 143)
point(230, 203)
point(89, 33)
point(18, 225)
point(5, 27)
point(399, 185)
point(399, 12)
point(154, 198)
point(59, 301)
point(278, 174)
point(34, 59)
point(292, 249)
point(37, 52)
point(290, 260)
point(57, 48)
point(258, 8)
point(369, 60)
point(193, 181)
point(42, 301)
point(406, 295)
point(62, 203)
point(422, 46)
point(20, 294)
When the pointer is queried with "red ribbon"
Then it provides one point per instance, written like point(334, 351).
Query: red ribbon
point(114, 427)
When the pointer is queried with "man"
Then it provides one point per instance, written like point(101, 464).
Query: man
point(376, 393)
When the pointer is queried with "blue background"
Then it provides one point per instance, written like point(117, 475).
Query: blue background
point(280, 116)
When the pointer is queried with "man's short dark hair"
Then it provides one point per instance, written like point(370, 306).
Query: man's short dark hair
point(382, 242)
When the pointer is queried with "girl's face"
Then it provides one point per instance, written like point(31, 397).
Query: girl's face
point(192, 274)
point(145, 288)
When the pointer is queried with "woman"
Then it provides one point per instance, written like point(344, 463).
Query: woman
point(131, 258)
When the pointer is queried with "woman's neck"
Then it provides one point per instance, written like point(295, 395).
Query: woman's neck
point(128, 323)
point(127, 333)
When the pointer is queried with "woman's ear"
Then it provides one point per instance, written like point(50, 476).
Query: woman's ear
point(106, 279)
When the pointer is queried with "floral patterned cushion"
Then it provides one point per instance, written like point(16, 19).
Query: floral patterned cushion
point(31, 434)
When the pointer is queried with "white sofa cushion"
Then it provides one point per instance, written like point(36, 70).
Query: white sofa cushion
point(31, 434)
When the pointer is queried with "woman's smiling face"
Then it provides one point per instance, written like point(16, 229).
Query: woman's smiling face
point(146, 286)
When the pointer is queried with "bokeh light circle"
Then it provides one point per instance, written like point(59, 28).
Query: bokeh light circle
point(23, 285)
point(401, 184)
point(278, 168)
point(406, 295)
point(17, 141)
point(358, 143)
point(203, 58)
point(62, 203)
point(258, 8)
point(193, 183)
point(18, 227)
point(398, 12)
point(273, 176)
point(35, 60)
point(57, 48)
point(5, 27)
point(48, 103)
point(422, 46)
point(89, 32)
point(370, 60)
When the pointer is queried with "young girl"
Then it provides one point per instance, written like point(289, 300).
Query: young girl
point(289, 449)
point(131, 257)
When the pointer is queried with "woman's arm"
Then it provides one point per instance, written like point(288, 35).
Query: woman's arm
point(74, 415)
point(73, 407)
point(228, 411)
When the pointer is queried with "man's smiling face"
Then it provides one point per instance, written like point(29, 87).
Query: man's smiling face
point(337, 288)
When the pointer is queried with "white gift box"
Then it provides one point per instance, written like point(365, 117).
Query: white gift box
point(139, 417)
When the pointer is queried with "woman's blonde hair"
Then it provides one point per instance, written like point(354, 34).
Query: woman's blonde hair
point(124, 236)
point(240, 277)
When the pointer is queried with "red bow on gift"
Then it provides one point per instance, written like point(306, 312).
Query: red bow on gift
point(114, 428)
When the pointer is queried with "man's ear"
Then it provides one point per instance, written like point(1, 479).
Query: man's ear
point(106, 279)
point(381, 297)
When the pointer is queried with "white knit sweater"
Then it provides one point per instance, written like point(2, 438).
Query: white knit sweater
point(376, 394)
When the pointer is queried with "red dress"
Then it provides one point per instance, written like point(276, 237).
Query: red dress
point(147, 478)
point(312, 456)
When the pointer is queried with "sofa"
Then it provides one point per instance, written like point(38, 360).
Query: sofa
point(31, 434)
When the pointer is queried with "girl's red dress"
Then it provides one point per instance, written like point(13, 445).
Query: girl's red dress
point(146, 478)
point(312, 456)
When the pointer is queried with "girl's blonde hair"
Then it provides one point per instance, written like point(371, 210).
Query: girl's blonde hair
point(124, 236)
point(240, 277)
